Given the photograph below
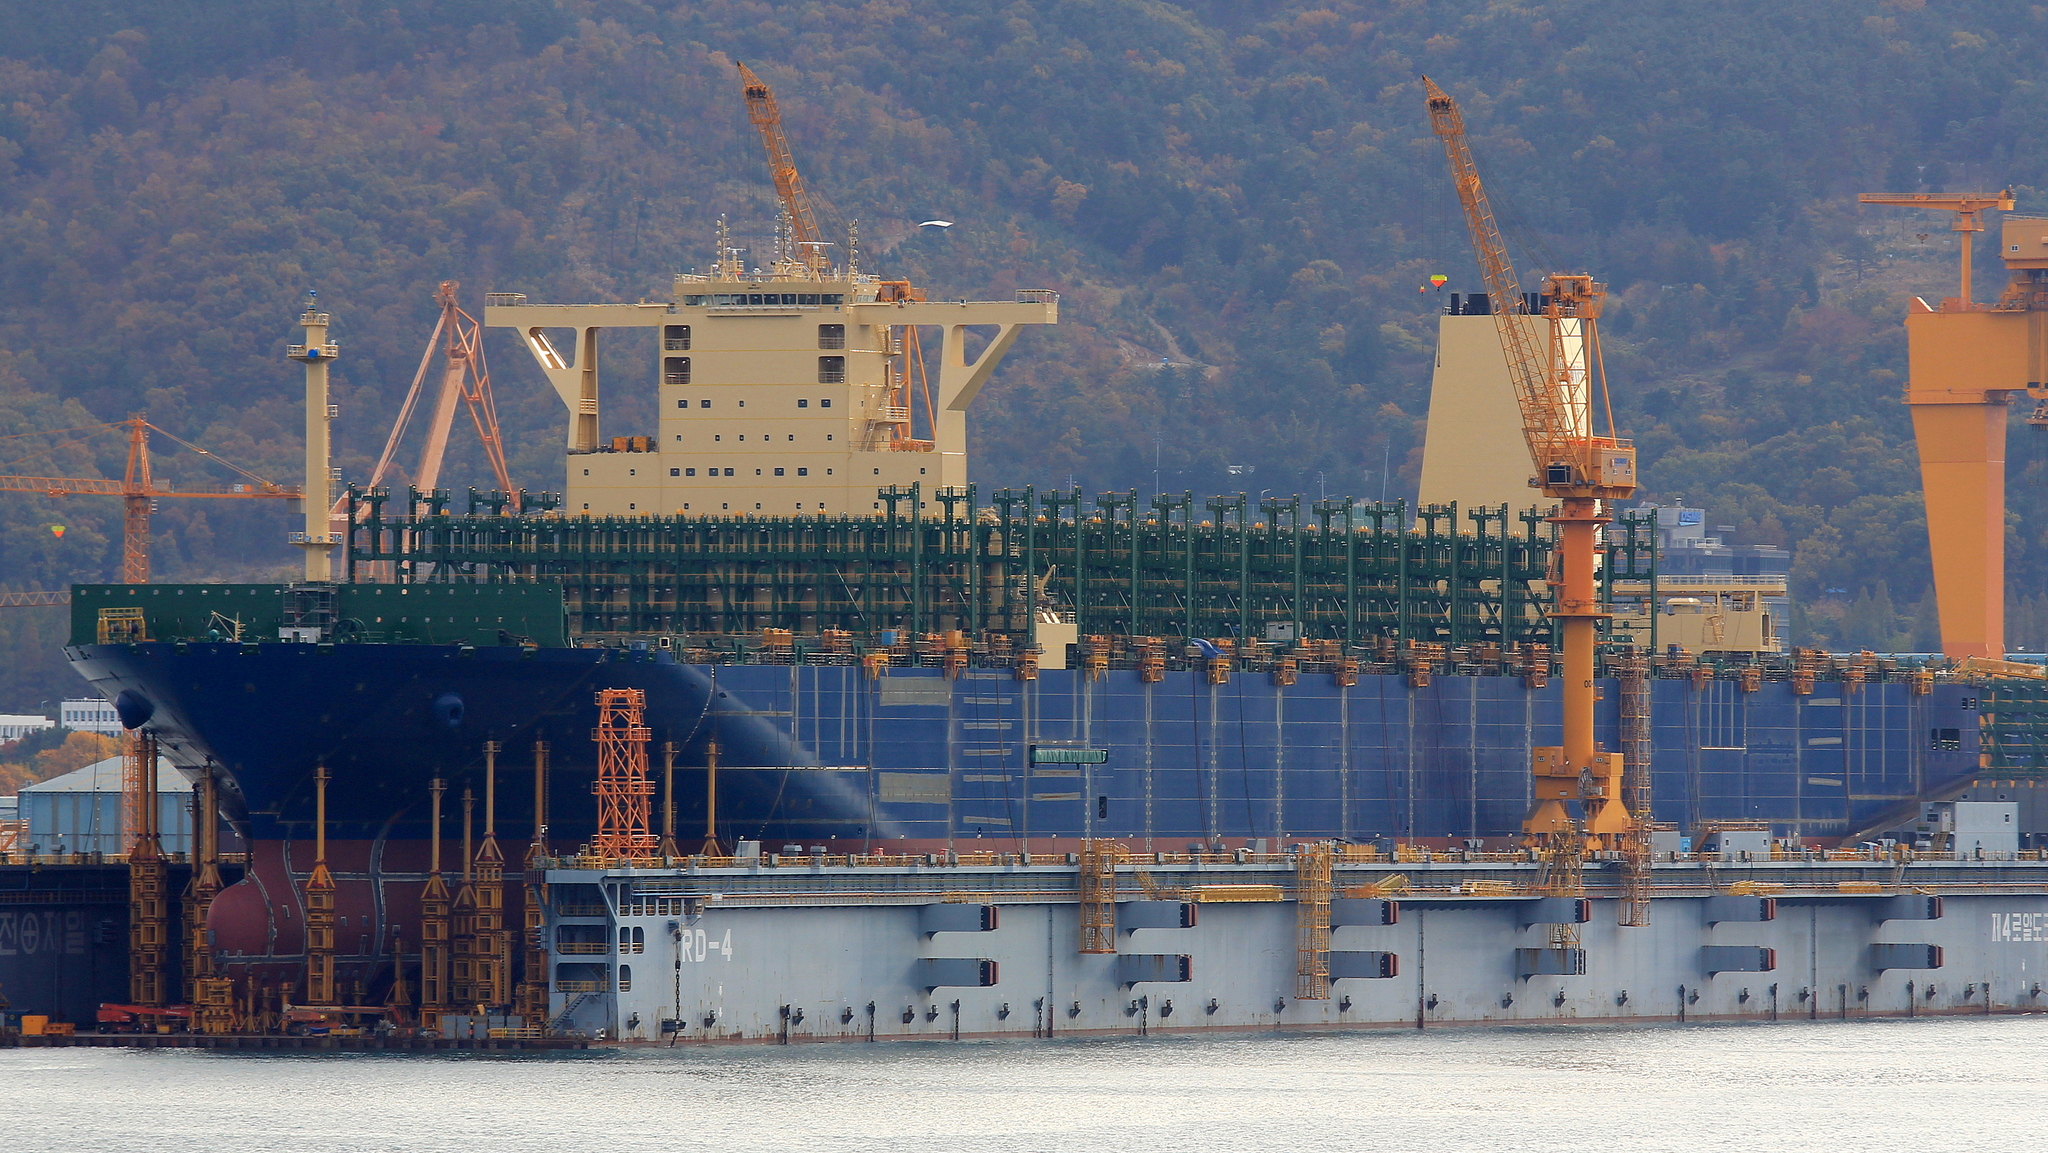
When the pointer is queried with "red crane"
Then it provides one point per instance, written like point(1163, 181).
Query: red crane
point(466, 379)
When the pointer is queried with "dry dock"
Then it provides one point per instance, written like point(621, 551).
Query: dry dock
point(799, 948)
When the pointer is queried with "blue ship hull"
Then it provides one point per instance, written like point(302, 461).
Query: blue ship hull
point(814, 753)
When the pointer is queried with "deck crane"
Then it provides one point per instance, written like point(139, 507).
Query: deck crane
point(139, 492)
point(1557, 383)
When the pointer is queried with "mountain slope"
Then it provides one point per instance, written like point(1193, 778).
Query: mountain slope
point(1247, 193)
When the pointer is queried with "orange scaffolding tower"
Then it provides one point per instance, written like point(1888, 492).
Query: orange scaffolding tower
point(1312, 922)
point(1097, 883)
point(625, 797)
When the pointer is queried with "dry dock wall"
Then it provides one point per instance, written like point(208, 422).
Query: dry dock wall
point(720, 956)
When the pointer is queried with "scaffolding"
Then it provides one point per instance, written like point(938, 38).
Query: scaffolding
point(212, 995)
point(1276, 568)
point(1096, 884)
point(462, 920)
point(1635, 750)
point(1312, 922)
point(624, 794)
point(533, 985)
point(491, 976)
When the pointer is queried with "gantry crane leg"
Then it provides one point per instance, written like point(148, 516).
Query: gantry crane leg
point(1962, 477)
point(1962, 368)
point(1964, 363)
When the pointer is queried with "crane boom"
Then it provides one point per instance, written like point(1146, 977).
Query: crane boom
point(1525, 363)
point(766, 117)
point(1555, 386)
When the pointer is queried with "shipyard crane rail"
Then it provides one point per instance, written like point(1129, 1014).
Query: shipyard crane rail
point(766, 117)
point(1557, 382)
point(139, 491)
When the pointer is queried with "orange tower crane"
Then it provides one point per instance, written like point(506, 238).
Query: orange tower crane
point(766, 117)
point(1556, 384)
point(139, 491)
point(1964, 363)
point(908, 384)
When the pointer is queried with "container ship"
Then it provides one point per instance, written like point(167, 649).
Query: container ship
point(880, 654)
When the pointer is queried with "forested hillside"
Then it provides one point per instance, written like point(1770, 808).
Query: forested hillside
point(1239, 203)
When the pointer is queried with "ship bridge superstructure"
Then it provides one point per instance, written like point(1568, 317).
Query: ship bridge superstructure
point(780, 391)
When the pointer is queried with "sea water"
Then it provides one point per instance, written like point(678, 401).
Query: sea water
point(1946, 1083)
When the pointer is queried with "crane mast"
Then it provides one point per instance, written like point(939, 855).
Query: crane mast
point(766, 118)
point(1556, 381)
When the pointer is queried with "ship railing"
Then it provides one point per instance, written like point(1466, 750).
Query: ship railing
point(583, 948)
point(1348, 856)
point(583, 986)
point(1876, 855)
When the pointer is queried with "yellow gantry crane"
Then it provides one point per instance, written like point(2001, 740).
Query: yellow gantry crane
point(1965, 364)
point(1558, 379)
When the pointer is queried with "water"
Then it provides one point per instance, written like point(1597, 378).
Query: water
point(1866, 1085)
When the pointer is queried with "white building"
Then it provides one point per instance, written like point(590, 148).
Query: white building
point(80, 812)
point(91, 715)
point(14, 727)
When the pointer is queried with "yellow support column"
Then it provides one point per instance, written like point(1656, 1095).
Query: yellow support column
point(320, 906)
point(318, 538)
point(148, 906)
point(434, 928)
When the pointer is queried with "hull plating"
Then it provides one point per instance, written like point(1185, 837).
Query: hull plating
point(812, 753)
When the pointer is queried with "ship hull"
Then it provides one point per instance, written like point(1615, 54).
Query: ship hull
point(827, 752)
point(915, 761)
